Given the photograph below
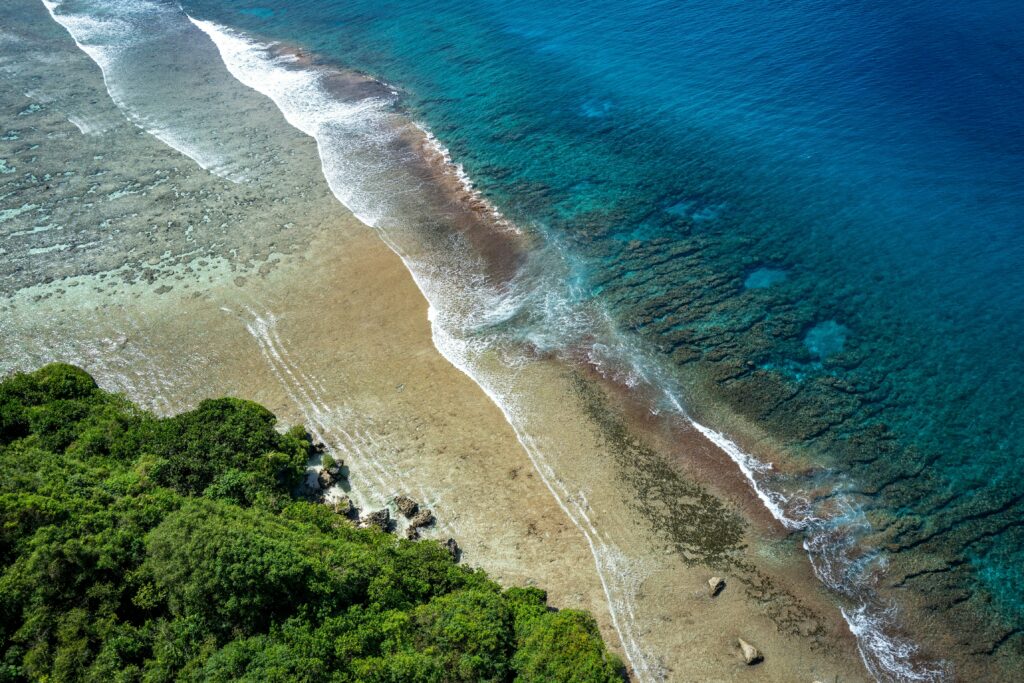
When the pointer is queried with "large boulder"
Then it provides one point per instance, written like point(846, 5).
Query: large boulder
point(380, 519)
point(407, 506)
point(716, 584)
point(342, 506)
point(453, 548)
point(325, 479)
point(751, 655)
point(422, 518)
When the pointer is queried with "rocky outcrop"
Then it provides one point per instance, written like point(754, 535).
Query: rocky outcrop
point(381, 519)
point(407, 506)
point(422, 518)
point(453, 549)
point(342, 506)
point(751, 655)
point(716, 584)
point(336, 469)
point(333, 470)
point(419, 517)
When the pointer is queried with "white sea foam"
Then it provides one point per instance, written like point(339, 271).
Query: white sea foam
point(751, 467)
point(352, 138)
point(459, 173)
point(886, 656)
point(839, 563)
point(88, 125)
point(121, 36)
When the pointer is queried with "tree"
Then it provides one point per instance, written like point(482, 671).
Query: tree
point(137, 548)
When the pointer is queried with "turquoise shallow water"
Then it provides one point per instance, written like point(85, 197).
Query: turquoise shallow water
point(811, 212)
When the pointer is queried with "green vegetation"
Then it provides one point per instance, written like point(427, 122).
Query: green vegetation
point(135, 548)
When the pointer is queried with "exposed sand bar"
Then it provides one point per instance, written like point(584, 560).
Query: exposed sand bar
point(180, 284)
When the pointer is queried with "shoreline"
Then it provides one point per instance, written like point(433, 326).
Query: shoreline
point(402, 310)
point(884, 644)
point(476, 227)
point(158, 333)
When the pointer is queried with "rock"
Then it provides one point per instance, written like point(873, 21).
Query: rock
point(716, 584)
point(751, 655)
point(342, 506)
point(380, 519)
point(453, 548)
point(335, 467)
point(412, 533)
point(407, 506)
point(325, 479)
point(423, 518)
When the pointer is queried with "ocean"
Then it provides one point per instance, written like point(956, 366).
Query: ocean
point(796, 224)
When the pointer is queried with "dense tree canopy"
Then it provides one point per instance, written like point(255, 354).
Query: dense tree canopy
point(135, 548)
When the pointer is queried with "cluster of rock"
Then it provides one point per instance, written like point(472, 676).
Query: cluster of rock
point(378, 519)
point(330, 475)
point(751, 655)
point(418, 517)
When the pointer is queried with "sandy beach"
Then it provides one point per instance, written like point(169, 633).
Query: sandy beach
point(197, 286)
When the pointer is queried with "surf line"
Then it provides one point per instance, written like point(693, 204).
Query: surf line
point(886, 657)
point(104, 55)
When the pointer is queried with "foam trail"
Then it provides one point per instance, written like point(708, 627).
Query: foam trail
point(88, 126)
point(749, 465)
point(336, 126)
point(828, 542)
point(153, 71)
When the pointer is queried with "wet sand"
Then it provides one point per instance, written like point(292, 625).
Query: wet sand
point(270, 290)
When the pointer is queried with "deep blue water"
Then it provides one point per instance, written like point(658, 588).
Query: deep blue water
point(831, 191)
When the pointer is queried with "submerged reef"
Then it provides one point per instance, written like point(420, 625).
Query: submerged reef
point(821, 380)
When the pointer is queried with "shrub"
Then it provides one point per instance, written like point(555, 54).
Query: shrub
point(564, 646)
point(139, 548)
point(221, 434)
